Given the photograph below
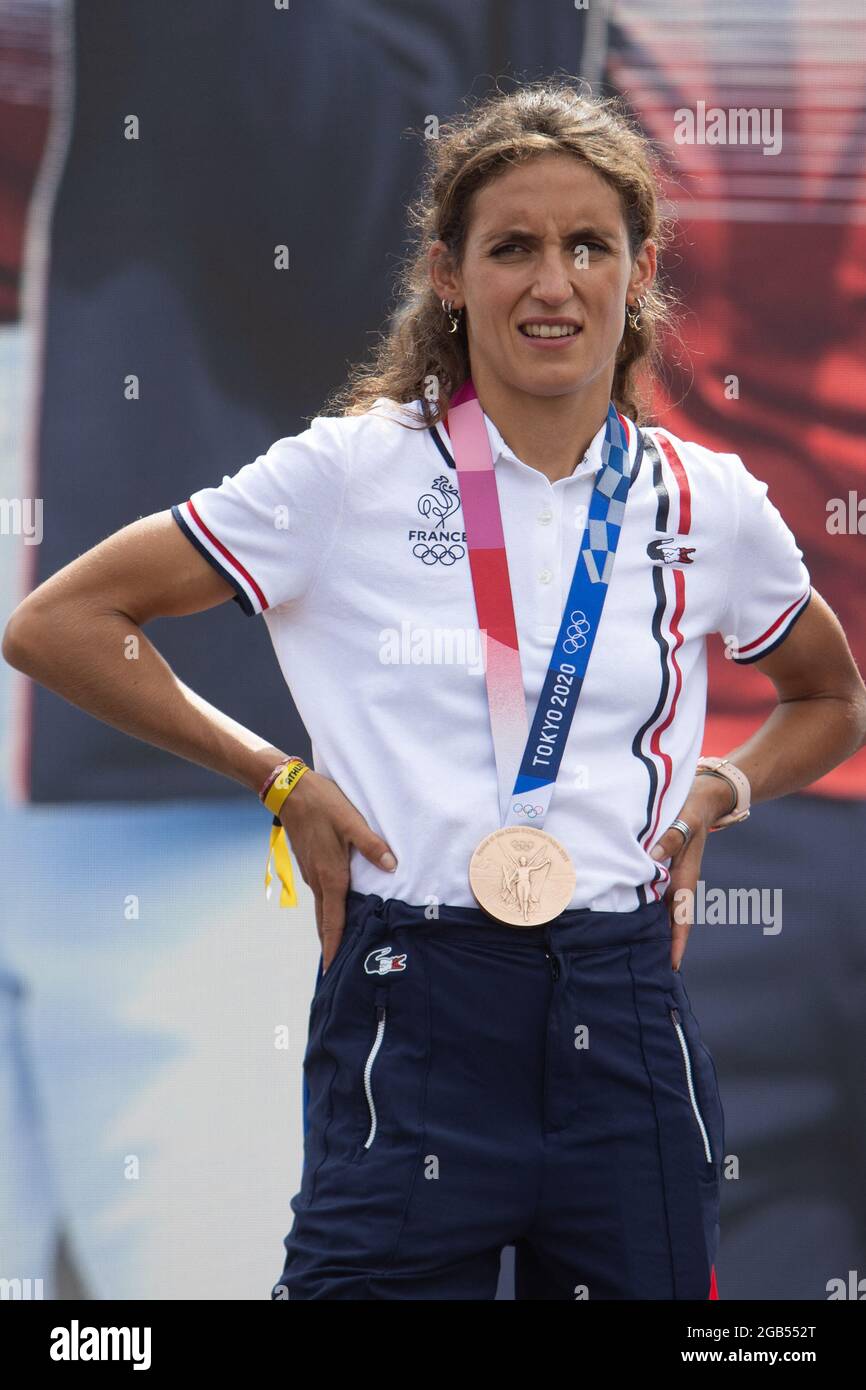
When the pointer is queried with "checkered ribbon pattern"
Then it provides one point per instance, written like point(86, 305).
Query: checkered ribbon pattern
point(535, 751)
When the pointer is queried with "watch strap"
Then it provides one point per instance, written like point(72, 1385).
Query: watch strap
point(737, 780)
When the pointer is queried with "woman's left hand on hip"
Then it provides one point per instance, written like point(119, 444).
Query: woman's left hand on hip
point(706, 802)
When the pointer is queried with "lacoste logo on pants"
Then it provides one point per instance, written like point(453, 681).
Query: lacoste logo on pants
point(381, 962)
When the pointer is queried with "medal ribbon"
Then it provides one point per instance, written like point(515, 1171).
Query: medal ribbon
point(537, 750)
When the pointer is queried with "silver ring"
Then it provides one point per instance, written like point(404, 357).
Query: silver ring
point(685, 830)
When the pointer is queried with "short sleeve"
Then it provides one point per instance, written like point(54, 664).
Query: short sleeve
point(768, 584)
point(268, 528)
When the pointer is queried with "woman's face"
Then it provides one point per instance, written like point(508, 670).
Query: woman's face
point(523, 261)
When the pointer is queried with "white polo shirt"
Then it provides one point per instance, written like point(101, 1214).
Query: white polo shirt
point(350, 539)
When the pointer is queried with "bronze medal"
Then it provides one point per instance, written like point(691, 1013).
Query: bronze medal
point(522, 876)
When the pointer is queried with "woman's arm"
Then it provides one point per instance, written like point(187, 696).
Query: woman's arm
point(820, 719)
point(79, 634)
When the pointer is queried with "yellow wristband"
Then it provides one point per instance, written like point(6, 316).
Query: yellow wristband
point(278, 848)
point(283, 785)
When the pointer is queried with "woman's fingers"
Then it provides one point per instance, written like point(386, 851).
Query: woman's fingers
point(371, 845)
point(681, 923)
point(699, 812)
point(335, 884)
point(322, 825)
point(685, 873)
point(670, 843)
point(685, 868)
point(351, 829)
point(317, 896)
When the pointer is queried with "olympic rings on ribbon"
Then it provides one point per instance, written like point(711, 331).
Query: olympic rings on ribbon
point(576, 633)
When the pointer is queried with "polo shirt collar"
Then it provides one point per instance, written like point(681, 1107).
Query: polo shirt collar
point(589, 464)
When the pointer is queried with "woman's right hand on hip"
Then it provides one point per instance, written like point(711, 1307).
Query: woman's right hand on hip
point(322, 825)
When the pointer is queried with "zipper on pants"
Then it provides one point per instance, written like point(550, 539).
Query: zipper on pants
point(381, 1018)
point(675, 1019)
point(554, 964)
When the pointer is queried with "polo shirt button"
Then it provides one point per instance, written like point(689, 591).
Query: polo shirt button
point(545, 516)
point(545, 576)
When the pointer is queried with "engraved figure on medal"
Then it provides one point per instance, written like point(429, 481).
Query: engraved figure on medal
point(522, 876)
point(517, 885)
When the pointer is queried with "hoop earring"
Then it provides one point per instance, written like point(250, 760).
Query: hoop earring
point(453, 318)
point(634, 320)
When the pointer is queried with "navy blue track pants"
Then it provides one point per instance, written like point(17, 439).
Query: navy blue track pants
point(470, 1086)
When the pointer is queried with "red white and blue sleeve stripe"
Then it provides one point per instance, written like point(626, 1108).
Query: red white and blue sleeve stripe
point(775, 634)
point(248, 593)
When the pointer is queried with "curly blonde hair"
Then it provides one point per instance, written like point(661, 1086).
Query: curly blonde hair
point(418, 358)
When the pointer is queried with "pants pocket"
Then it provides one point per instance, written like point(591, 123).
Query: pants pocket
point(367, 1077)
point(368, 1059)
point(676, 1020)
point(322, 1061)
point(325, 983)
point(699, 1078)
point(380, 1006)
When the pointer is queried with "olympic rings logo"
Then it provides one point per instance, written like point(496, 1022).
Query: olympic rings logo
point(438, 553)
point(575, 635)
point(521, 809)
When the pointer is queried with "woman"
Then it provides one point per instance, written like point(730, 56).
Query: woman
point(501, 1045)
